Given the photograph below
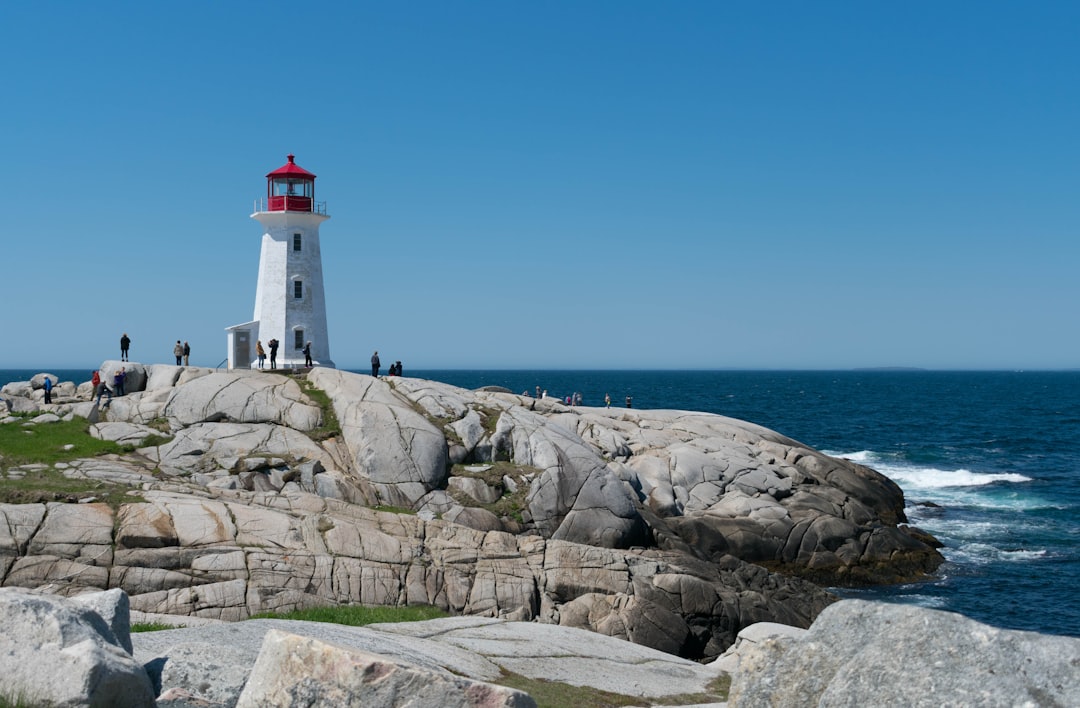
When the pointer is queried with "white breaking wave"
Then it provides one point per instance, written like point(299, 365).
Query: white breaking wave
point(928, 477)
point(980, 553)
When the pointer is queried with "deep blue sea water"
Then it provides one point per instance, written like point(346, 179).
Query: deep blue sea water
point(997, 453)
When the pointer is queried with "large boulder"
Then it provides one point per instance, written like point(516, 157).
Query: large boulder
point(57, 651)
point(206, 447)
point(134, 374)
point(576, 496)
point(241, 398)
point(389, 443)
point(295, 670)
point(860, 653)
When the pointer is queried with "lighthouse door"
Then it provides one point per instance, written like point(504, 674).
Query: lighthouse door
point(241, 355)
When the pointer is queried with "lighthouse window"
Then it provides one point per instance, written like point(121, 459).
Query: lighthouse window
point(298, 289)
point(298, 339)
point(296, 242)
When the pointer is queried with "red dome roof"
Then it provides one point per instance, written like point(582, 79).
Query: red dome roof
point(291, 169)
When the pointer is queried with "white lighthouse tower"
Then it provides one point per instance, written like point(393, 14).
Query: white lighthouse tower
point(290, 305)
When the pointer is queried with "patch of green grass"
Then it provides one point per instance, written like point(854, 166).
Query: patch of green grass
point(17, 700)
point(489, 418)
point(44, 443)
point(48, 485)
point(359, 615)
point(153, 626)
point(511, 504)
point(330, 427)
point(161, 424)
point(148, 441)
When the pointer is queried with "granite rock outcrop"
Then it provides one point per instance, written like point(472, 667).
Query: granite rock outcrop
point(861, 653)
point(660, 527)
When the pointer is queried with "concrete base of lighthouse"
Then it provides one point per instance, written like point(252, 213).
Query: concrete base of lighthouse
point(242, 353)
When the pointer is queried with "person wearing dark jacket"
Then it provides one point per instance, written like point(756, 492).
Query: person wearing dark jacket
point(375, 364)
point(273, 353)
point(125, 343)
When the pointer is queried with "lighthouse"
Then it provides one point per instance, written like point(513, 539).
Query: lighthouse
point(290, 305)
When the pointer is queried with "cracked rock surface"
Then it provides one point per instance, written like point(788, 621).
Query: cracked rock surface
point(660, 527)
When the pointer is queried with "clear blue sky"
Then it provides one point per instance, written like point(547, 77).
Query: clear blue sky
point(553, 184)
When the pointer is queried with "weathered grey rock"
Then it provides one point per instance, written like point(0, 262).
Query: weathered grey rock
point(113, 607)
point(18, 404)
point(123, 433)
point(206, 447)
point(42, 419)
point(37, 381)
point(212, 661)
point(861, 653)
point(575, 497)
point(293, 669)
point(750, 637)
point(475, 488)
point(20, 389)
point(135, 374)
point(44, 638)
point(241, 398)
point(249, 517)
point(399, 451)
point(474, 518)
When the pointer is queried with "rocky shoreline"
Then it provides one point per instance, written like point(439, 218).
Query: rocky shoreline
point(246, 492)
point(855, 654)
point(249, 495)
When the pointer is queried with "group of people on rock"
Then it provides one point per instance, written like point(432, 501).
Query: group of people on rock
point(273, 345)
point(102, 388)
point(376, 364)
point(575, 398)
point(182, 352)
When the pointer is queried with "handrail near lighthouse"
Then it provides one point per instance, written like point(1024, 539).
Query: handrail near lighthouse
point(288, 204)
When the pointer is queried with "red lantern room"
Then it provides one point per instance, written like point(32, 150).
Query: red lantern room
point(290, 188)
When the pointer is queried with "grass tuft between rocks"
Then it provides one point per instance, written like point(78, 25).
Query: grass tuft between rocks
point(153, 626)
point(17, 700)
point(330, 427)
point(49, 443)
point(358, 615)
point(45, 445)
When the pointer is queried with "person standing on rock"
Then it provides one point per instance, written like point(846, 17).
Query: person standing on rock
point(178, 352)
point(629, 401)
point(48, 389)
point(260, 352)
point(187, 353)
point(607, 400)
point(307, 354)
point(375, 364)
point(125, 343)
point(273, 353)
point(118, 381)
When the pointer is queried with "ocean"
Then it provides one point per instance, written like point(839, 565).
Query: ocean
point(988, 461)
